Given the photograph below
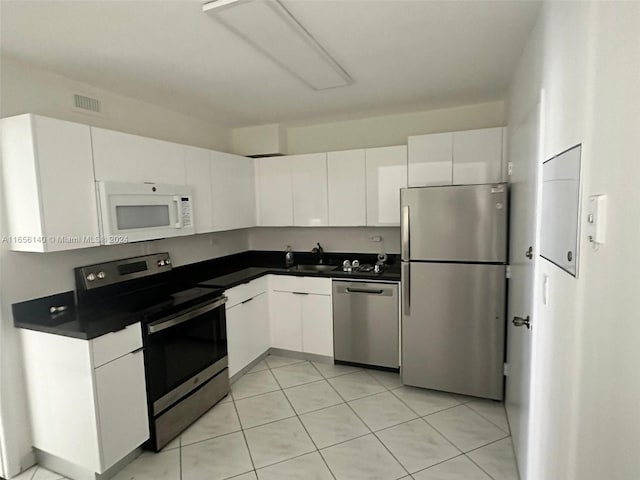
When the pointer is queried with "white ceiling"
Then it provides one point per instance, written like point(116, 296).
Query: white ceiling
point(403, 55)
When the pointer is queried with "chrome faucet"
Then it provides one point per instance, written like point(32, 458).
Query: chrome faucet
point(320, 251)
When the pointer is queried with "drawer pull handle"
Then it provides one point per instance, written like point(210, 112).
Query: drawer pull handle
point(361, 290)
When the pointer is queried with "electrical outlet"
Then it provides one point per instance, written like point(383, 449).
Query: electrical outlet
point(376, 238)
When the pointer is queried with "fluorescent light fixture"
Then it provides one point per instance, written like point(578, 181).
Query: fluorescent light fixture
point(271, 29)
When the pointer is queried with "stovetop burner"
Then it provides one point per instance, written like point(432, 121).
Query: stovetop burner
point(141, 285)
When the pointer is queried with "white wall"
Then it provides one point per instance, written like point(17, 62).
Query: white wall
point(585, 384)
point(24, 275)
point(332, 239)
point(27, 89)
point(609, 387)
point(390, 130)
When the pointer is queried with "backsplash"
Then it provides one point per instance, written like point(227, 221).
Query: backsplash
point(332, 239)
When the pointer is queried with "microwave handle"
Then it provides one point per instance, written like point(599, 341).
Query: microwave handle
point(176, 200)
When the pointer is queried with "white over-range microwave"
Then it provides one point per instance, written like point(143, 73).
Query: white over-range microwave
point(131, 212)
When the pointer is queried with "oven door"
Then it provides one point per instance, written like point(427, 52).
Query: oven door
point(134, 212)
point(183, 352)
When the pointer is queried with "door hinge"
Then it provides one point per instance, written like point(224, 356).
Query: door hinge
point(509, 168)
point(507, 272)
point(505, 369)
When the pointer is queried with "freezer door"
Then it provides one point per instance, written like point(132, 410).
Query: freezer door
point(453, 327)
point(465, 223)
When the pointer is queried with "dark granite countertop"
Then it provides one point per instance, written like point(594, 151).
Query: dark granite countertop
point(87, 322)
point(247, 274)
point(76, 322)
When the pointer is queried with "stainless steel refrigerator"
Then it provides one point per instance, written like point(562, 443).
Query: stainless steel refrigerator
point(454, 254)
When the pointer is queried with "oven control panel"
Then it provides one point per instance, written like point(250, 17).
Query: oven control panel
point(102, 274)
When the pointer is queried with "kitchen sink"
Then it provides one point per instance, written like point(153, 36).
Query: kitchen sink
point(313, 268)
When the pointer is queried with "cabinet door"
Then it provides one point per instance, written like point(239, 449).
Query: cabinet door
point(477, 156)
point(238, 338)
point(430, 160)
point(317, 325)
point(275, 194)
point(259, 326)
point(122, 407)
point(197, 163)
point(347, 188)
point(309, 178)
point(386, 175)
point(123, 157)
point(233, 191)
point(49, 187)
point(286, 328)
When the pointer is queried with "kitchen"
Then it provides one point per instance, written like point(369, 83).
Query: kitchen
point(27, 88)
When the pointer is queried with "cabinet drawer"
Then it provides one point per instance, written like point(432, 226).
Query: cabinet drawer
point(315, 285)
point(108, 347)
point(241, 293)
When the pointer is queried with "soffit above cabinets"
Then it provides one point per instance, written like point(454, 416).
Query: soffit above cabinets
point(402, 55)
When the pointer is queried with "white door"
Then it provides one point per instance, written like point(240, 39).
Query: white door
point(523, 153)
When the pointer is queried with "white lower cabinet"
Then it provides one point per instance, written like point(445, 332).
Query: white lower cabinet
point(286, 321)
point(301, 314)
point(87, 399)
point(317, 325)
point(248, 334)
point(122, 406)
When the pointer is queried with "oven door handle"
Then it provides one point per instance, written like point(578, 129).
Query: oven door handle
point(185, 317)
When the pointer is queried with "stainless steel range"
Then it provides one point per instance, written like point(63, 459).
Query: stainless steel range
point(184, 332)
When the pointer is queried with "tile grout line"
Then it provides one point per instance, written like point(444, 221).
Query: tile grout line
point(439, 463)
point(488, 419)
point(487, 444)
point(244, 436)
point(371, 431)
point(477, 465)
point(180, 455)
point(302, 423)
point(416, 412)
point(369, 428)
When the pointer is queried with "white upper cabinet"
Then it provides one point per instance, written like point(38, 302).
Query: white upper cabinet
point(123, 157)
point(197, 163)
point(347, 188)
point(49, 187)
point(274, 191)
point(232, 191)
point(309, 183)
point(477, 156)
point(456, 158)
point(386, 175)
point(430, 160)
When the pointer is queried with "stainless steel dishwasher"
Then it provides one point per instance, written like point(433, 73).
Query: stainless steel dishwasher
point(365, 323)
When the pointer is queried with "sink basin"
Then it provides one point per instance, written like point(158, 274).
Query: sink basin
point(313, 268)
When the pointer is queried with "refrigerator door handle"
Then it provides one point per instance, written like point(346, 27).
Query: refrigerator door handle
point(406, 289)
point(404, 232)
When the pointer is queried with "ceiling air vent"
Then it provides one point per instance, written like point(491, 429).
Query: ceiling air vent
point(84, 104)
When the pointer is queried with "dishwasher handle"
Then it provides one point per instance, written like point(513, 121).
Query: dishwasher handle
point(363, 290)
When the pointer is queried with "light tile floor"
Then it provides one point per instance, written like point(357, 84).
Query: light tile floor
point(292, 419)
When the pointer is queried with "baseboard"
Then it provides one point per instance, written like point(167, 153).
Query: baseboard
point(76, 472)
point(311, 357)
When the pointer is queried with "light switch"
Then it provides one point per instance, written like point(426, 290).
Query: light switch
point(597, 219)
